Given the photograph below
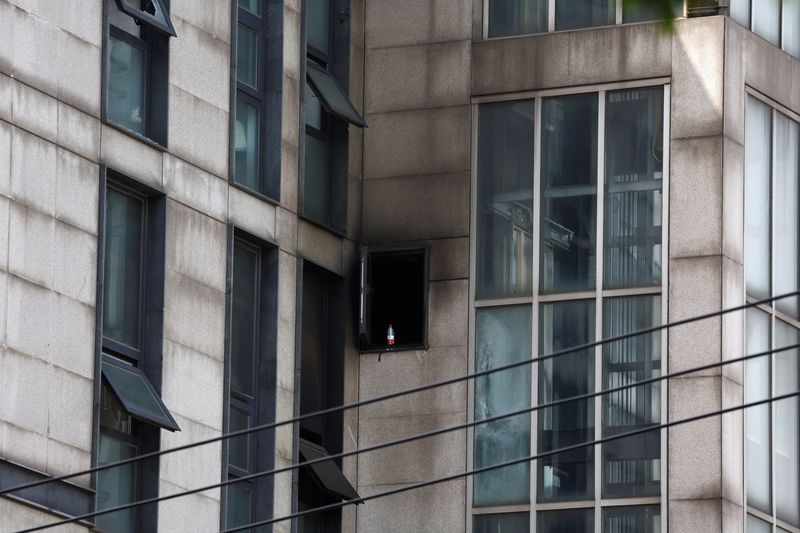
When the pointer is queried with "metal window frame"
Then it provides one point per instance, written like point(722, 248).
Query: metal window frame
point(598, 294)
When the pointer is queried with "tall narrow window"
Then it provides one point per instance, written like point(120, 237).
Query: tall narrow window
point(251, 381)
point(569, 186)
point(758, 169)
point(131, 411)
point(136, 66)
point(505, 197)
point(328, 110)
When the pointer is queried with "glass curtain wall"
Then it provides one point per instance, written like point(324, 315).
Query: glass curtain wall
point(772, 432)
point(569, 250)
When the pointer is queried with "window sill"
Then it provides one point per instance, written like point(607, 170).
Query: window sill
point(330, 229)
point(403, 348)
point(138, 136)
point(255, 193)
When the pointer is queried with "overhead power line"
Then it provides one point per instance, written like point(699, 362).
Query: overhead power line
point(398, 394)
point(432, 433)
point(505, 464)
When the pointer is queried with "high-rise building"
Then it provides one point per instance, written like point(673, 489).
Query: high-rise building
point(219, 214)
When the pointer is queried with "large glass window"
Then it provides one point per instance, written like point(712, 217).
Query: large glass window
point(521, 17)
point(777, 21)
point(772, 445)
point(592, 283)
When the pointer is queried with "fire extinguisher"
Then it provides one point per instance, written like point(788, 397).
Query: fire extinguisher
point(390, 336)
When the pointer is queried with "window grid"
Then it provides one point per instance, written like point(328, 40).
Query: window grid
point(597, 504)
point(776, 317)
point(551, 18)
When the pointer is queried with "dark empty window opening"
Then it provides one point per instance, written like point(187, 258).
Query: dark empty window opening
point(394, 294)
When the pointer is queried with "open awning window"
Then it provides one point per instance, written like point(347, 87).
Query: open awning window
point(136, 395)
point(150, 12)
point(327, 473)
point(332, 96)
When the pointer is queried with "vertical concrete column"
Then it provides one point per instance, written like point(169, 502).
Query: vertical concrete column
point(704, 270)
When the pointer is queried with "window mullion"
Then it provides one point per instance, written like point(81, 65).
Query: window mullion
point(598, 315)
point(537, 171)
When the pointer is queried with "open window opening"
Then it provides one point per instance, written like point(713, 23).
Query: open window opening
point(394, 300)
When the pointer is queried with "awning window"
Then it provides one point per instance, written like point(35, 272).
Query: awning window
point(327, 473)
point(136, 395)
point(332, 96)
point(150, 12)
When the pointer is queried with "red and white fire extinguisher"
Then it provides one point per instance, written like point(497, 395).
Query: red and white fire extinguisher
point(390, 336)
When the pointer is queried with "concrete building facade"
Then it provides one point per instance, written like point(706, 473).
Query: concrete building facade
point(198, 233)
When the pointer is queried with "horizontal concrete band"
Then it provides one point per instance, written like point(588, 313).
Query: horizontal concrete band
point(61, 498)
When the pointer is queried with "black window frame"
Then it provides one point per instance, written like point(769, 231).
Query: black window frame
point(145, 17)
point(267, 98)
point(261, 407)
point(365, 319)
point(154, 42)
point(147, 358)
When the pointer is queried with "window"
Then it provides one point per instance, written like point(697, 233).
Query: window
point(777, 21)
point(394, 294)
point(251, 368)
point(772, 434)
point(255, 156)
point(569, 228)
point(131, 411)
point(321, 387)
point(328, 111)
point(137, 66)
point(521, 17)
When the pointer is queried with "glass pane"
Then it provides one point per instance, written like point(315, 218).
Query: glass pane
point(136, 395)
point(755, 525)
point(787, 223)
point(333, 95)
point(122, 20)
point(631, 466)
point(501, 523)
point(567, 521)
point(758, 156)
point(126, 85)
point(644, 11)
point(569, 475)
point(791, 27)
point(316, 183)
point(571, 14)
point(247, 144)
point(569, 171)
point(253, 6)
point(239, 447)
point(123, 267)
point(247, 56)
point(767, 20)
point(638, 519)
point(740, 12)
point(787, 429)
point(757, 418)
point(502, 336)
point(240, 504)
point(243, 319)
point(112, 415)
point(633, 202)
point(505, 200)
point(116, 486)
point(312, 109)
point(517, 17)
point(318, 24)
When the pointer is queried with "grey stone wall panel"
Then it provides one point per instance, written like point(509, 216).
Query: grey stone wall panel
point(34, 111)
point(200, 64)
point(78, 132)
point(131, 157)
point(196, 188)
point(390, 23)
point(33, 171)
point(251, 214)
point(198, 131)
point(196, 245)
point(77, 191)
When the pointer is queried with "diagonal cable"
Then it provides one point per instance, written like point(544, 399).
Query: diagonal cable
point(405, 392)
